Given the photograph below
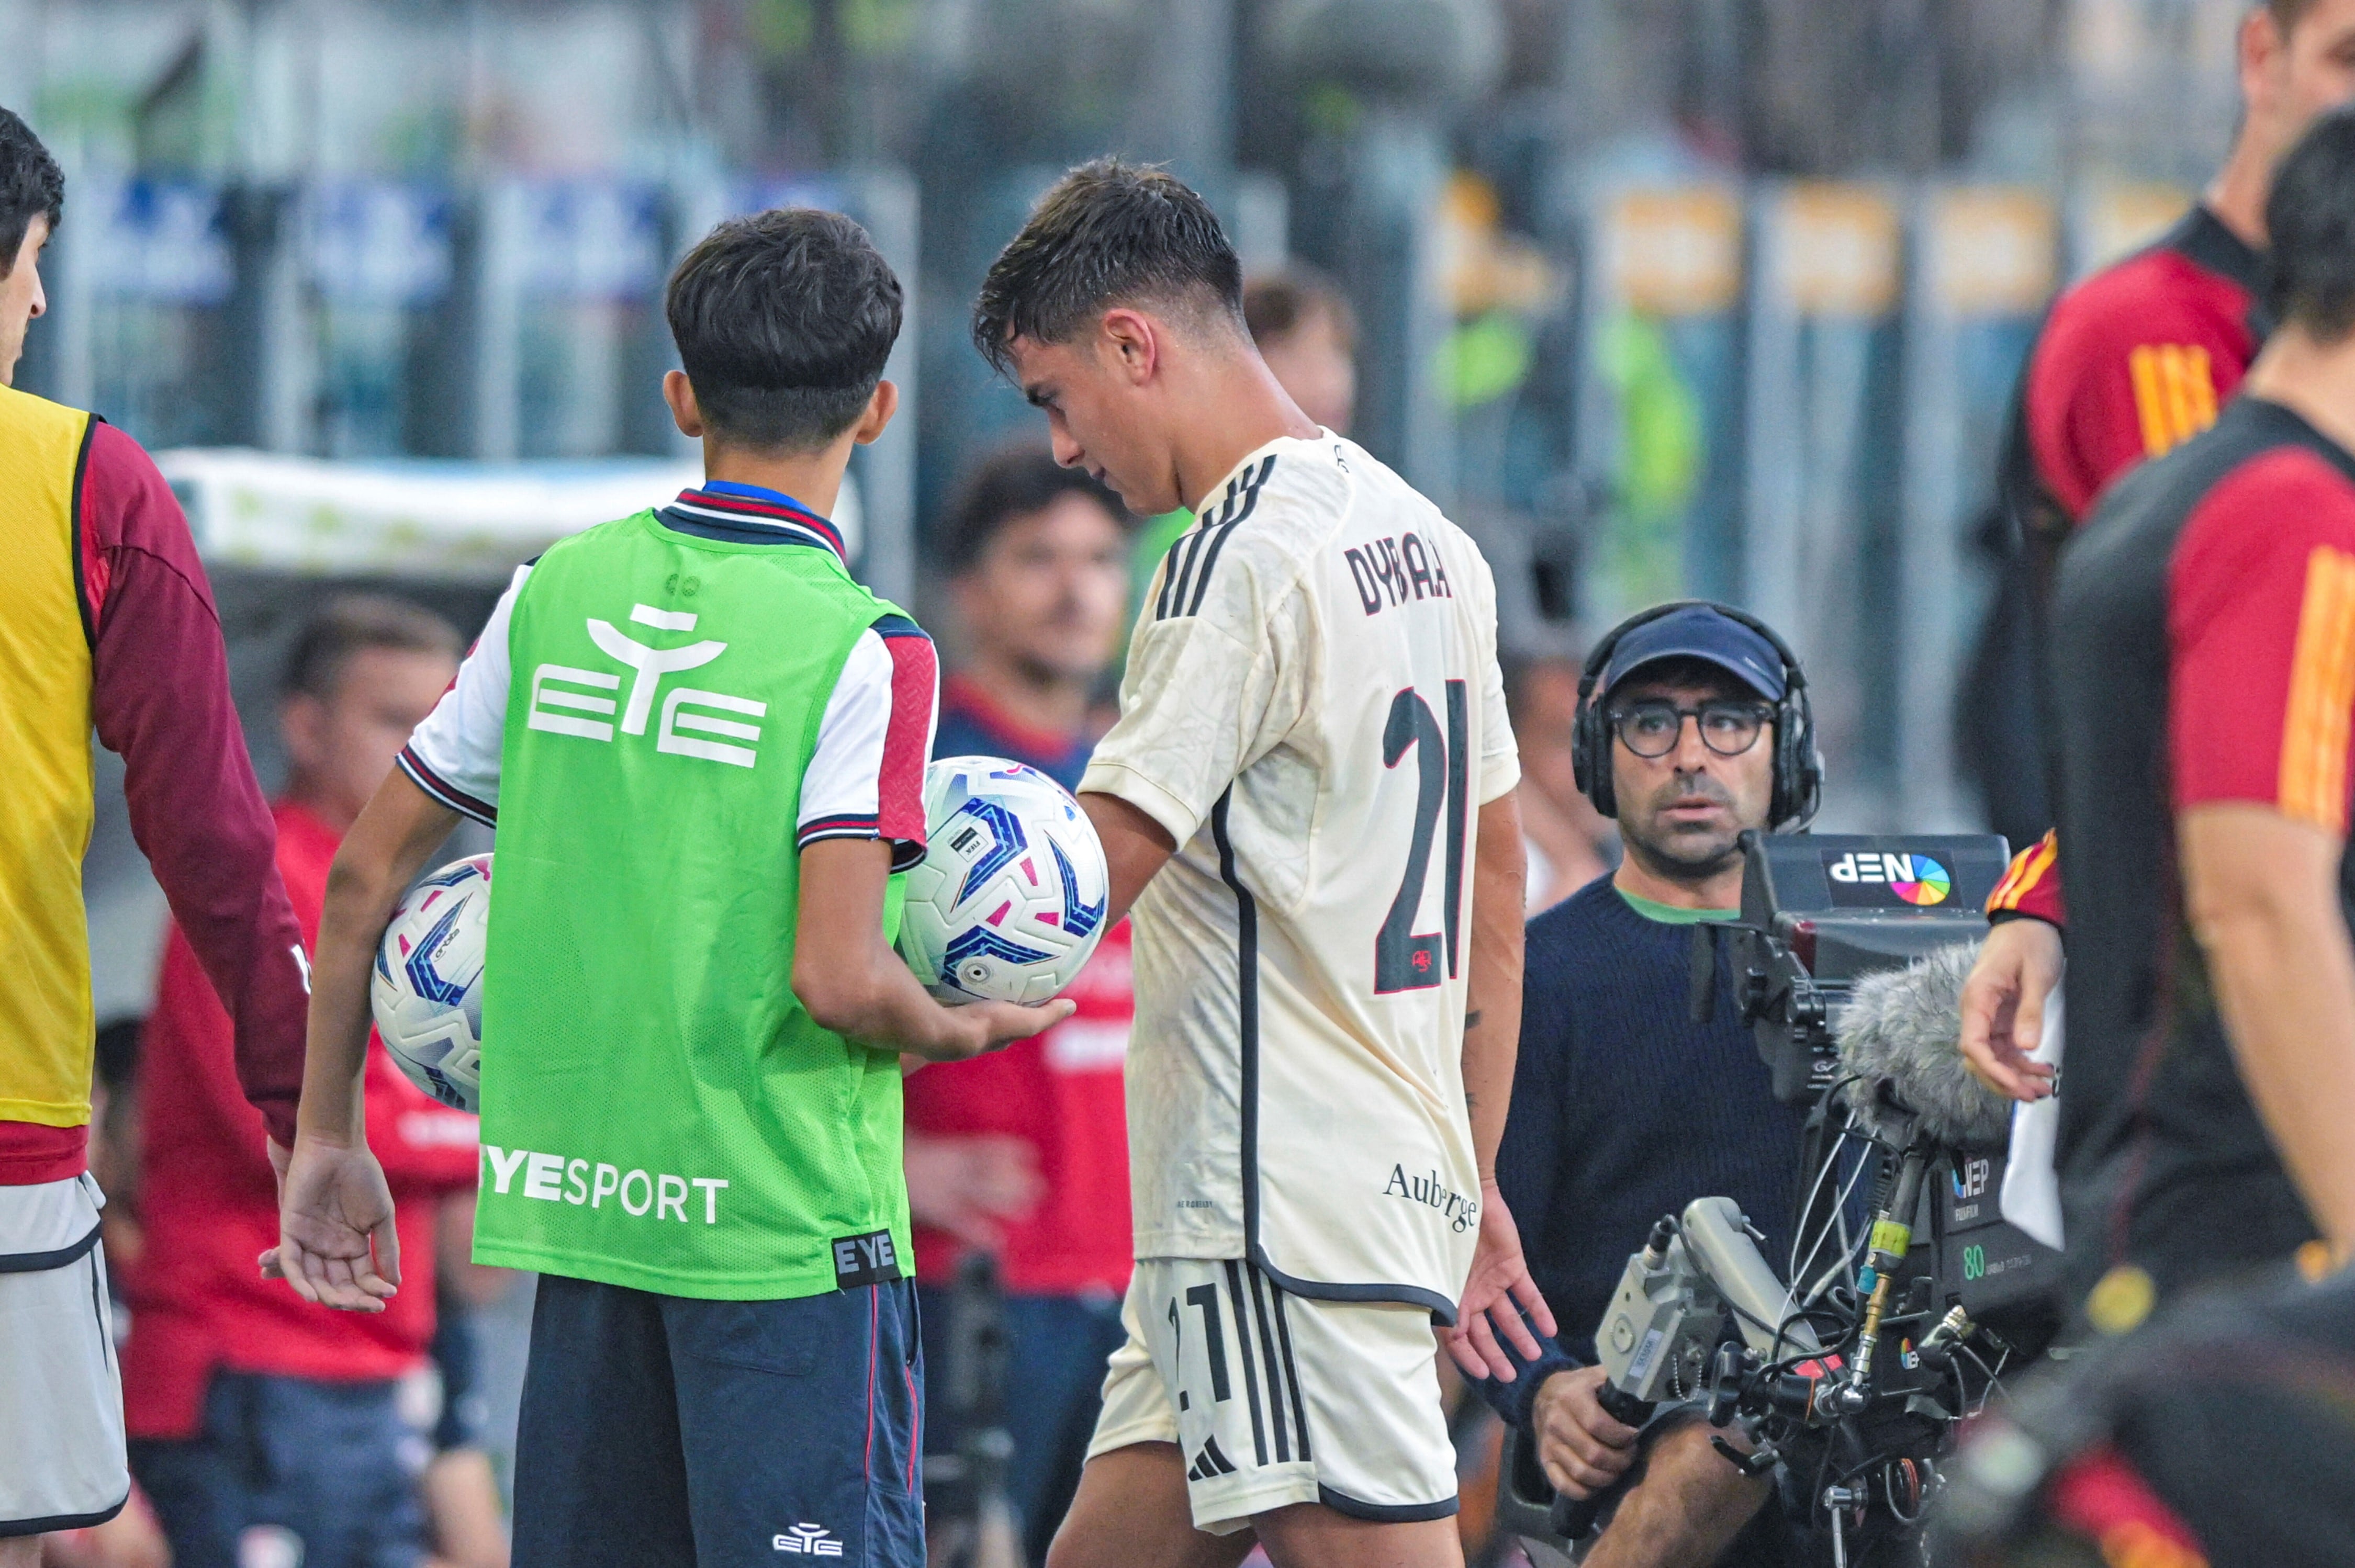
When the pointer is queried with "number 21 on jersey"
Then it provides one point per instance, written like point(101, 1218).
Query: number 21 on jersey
point(1404, 958)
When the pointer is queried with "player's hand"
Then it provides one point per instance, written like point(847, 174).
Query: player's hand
point(965, 1185)
point(1581, 1447)
point(2003, 1007)
point(985, 1026)
point(279, 1158)
point(1500, 1279)
point(336, 1245)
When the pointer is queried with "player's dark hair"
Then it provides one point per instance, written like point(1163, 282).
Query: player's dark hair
point(1016, 481)
point(1107, 234)
point(784, 321)
point(355, 624)
point(31, 185)
point(2310, 219)
point(1281, 303)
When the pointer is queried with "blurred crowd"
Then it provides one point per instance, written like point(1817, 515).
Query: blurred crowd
point(364, 1439)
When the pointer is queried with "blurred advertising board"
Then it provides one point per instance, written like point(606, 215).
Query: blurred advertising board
point(1658, 419)
point(144, 275)
point(1821, 474)
point(571, 272)
point(2111, 221)
point(1986, 261)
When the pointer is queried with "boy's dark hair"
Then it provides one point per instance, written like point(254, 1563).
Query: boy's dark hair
point(2310, 271)
point(784, 321)
point(1108, 233)
point(1015, 482)
point(350, 624)
point(31, 185)
point(1281, 302)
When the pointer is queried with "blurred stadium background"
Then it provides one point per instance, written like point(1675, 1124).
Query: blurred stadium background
point(1720, 297)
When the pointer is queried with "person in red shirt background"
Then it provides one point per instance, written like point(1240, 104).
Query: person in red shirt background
point(259, 1422)
point(1025, 1154)
point(2131, 362)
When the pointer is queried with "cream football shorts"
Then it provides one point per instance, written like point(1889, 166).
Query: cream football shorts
point(1274, 1399)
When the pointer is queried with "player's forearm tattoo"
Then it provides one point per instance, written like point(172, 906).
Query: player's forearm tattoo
point(1472, 1019)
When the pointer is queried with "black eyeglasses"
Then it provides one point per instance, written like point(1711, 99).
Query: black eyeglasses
point(1651, 729)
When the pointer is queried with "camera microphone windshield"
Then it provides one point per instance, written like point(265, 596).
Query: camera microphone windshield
point(1900, 1035)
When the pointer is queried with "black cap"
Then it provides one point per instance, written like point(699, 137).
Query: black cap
point(1700, 632)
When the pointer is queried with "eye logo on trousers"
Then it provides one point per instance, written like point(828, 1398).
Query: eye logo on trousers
point(567, 700)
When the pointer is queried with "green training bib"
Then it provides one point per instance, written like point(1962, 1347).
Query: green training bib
point(658, 1110)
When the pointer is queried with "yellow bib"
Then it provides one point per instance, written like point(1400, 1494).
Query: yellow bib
point(45, 678)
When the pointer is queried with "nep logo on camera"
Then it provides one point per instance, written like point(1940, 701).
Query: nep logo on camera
point(1881, 878)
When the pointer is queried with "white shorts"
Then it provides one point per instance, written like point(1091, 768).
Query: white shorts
point(61, 1454)
point(1274, 1399)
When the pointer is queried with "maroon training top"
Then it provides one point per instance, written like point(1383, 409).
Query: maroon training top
point(160, 699)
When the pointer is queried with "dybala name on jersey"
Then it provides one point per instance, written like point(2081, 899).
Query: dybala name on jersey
point(1392, 570)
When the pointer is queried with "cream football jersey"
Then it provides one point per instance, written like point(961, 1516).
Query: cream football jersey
point(1313, 711)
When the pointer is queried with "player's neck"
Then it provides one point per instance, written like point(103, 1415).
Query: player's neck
point(813, 479)
point(2315, 380)
point(1032, 697)
point(1235, 407)
point(1719, 890)
point(2237, 195)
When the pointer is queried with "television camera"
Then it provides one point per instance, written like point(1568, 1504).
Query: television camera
point(1844, 1374)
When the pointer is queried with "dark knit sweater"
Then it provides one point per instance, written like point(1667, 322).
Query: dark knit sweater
point(1624, 1109)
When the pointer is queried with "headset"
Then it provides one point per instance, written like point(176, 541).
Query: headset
point(1798, 765)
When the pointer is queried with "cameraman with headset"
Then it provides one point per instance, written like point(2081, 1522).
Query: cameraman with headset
point(1692, 727)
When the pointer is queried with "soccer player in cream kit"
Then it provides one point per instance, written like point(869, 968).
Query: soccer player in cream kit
point(1307, 802)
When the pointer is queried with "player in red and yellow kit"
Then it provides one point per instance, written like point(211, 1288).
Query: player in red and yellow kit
point(2132, 362)
point(2205, 664)
point(106, 623)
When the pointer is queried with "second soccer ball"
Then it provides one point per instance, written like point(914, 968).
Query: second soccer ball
point(427, 992)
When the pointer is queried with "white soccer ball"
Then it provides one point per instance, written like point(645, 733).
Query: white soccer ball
point(427, 991)
point(1011, 896)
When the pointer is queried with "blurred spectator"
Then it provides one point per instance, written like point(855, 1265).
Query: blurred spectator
point(1308, 336)
point(1569, 843)
point(265, 1429)
point(1024, 1152)
point(1307, 332)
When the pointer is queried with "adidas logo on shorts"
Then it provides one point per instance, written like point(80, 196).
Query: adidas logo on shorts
point(1210, 1463)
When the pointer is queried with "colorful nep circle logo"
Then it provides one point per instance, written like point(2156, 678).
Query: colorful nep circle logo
point(1858, 876)
point(1929, 882)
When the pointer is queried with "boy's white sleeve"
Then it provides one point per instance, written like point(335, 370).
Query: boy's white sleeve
point(866, 775)
point(454, 756)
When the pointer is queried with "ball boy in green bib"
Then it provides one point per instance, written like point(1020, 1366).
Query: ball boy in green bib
point(703, 744)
